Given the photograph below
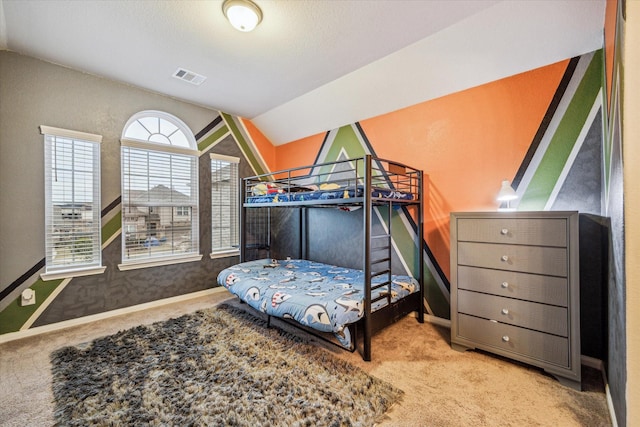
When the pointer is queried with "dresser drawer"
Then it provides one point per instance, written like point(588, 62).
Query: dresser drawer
point(527, 259)
point(532, 315)
point(531, 344)
point(531, 287)
point(529, 231)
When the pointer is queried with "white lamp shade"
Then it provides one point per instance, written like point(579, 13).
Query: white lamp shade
point(506, 193)
point(244, 15)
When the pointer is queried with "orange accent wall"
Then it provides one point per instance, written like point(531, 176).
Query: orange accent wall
point(299, 153)
point(466, 143)
point(264, 146)
point(610, 19)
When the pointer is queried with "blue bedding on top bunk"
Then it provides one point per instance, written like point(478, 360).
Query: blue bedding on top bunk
point(283, 196)
point(324, 297)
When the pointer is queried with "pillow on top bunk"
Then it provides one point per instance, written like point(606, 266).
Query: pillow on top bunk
point(265, 188)
point(329, 186)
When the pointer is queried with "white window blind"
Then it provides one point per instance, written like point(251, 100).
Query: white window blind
point(159, 204)
point(224, 203)
point(72, 200)
point(159, 191)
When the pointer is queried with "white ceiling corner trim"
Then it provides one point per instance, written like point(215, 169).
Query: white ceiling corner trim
point(469, 53)
point(3, 27)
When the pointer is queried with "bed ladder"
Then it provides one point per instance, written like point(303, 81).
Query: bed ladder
point(380, 261)
point(376, 257)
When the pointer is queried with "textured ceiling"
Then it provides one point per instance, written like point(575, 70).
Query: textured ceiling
point(311, 65)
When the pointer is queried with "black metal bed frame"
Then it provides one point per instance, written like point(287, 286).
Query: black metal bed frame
point(368, 172)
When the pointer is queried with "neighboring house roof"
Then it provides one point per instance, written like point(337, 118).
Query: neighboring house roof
point(158, 195)
point(83, 206)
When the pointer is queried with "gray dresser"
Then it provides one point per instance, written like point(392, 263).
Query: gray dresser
point(515, 288)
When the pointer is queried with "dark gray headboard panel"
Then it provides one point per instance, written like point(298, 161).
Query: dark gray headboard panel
point(333, 236)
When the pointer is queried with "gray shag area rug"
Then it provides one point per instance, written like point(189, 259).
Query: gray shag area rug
point(220, 366)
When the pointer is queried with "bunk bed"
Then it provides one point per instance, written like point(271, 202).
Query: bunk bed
point(350, 303)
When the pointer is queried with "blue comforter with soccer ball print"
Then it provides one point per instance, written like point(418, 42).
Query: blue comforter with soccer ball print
point(323, 297)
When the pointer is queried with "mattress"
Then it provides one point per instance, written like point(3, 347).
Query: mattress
point(301, 194)
point(321, 296)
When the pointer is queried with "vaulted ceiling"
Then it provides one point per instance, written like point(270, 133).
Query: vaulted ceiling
point(311, 65)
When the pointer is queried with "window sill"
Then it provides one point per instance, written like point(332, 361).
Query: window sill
point(66, 274)
point(224, 254)
point(157, 262)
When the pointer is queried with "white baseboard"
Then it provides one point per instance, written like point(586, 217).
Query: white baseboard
point(612, 412)
point(430, 318)
point(440, 321)
point(12, 336)
point(592, 362)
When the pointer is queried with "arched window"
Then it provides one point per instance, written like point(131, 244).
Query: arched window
point(156, 127)
point(159, 191)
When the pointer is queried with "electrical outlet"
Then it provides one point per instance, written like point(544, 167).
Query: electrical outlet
point(28, 297)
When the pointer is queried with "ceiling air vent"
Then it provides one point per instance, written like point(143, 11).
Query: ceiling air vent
point(189, 76)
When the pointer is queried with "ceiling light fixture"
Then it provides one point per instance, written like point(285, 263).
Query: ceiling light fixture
point(244, 15)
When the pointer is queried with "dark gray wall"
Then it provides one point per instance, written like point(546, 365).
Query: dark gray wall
point(582, 188)
point(333, 236)
point(582, 191)
point(34, 93)
point(617, 366)
point(115, 289)
point(594, 281)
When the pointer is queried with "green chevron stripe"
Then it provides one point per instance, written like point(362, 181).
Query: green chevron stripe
point(14, 316)
point(608, 137)
point(246, 148)
point(347, 140)
point(111, 227)
point(404, 240)
point(213, 138)
point(554, 159)
point(617, 88)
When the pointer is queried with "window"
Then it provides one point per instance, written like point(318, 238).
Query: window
point(72, 203)
point(182, 210)
point(159, 191)
point(224, 205)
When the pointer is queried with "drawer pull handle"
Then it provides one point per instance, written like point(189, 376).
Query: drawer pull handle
point(505, 338)
point(505, 311)
point(504, 231)
point(504, 258)
point(505, 285)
